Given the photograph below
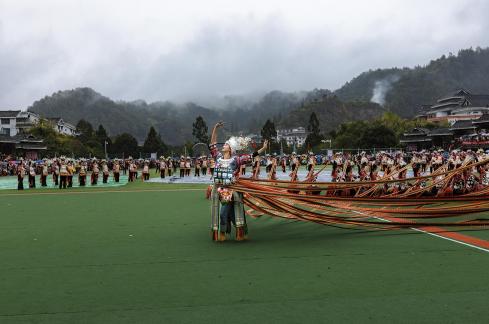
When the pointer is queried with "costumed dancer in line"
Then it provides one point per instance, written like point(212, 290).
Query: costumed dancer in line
point(311, 164)
point(272, 173)
point(197, 167)
point(268, 164)
point(131, 166)
point(95, 172)
point(145, 172)
point(294, 164)
point(364, 167)
point(82, 175)
point(182, 166)
point(163, 167)
point(44, 173)
point(227, 205)
point(256, 165)
point(204, 165)
point(32, 176)
point(283, 163)
point(125, 166)
point(116, 169)
point(169, 166)
point(20, 175)
point(71, 171)
point(55, 171)
point(212, 166)
point(188, 166)
point(105, 171)
point(63, 174)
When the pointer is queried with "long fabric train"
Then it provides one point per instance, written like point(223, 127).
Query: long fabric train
point(383, 204)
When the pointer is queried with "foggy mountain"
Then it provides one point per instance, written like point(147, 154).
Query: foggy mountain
point(366, 96)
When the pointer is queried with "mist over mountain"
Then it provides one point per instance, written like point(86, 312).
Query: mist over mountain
point(400, 90)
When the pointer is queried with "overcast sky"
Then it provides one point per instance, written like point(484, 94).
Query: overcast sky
point(178, 50)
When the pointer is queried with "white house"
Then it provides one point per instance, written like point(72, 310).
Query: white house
point(26, 120)
point(63, 127)
point(293, 136)
point(8, 122)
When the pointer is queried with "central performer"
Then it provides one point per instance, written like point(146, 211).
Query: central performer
point(227, 205)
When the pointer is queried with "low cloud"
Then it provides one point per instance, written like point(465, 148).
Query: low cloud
point(159, 51)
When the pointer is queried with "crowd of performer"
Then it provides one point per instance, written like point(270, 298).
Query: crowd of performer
point(344, 167)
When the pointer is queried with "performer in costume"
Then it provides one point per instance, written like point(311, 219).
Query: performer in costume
point(256, 165)
point(272, 174)
point(145, 171)
point(95, 171)
point(212, 166)
point(105, 171)
point(71, 170)
point(20, 175)
point(197, 167)
point(116, 171)
point(182, 167)
point(294, 164)
point(63, 174)
point(82, 175)
point(163, 167)
point(44, 173)
point(131, 167)
point(188, 166)
point(32, 176)
point(204, 166)
point(227, 206)
point(169, 166)
point(268, 166)
point(283, 163)
point(55, 171)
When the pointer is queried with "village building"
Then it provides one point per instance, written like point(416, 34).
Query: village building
point(62, 126)
point(27, 146)
point(26, 120)
point(8, 122)
point(293, 136)
point(417, 139)
point(461, 105)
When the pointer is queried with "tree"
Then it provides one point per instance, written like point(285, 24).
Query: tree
point(125, 144)
point(153, 142)
point(378, 135)
point(101, 135)
point(85, 129)
point(314, 137)
point(268, 131)
point(200, 130)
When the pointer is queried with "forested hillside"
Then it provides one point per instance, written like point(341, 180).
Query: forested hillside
point(405, 90)
point(366, 96)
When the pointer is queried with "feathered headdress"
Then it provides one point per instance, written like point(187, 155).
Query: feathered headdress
point(238, 143)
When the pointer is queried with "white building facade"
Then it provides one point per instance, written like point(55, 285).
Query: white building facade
point(293, 136)
point(8, 122)
point(63, 127)
point(17, 122)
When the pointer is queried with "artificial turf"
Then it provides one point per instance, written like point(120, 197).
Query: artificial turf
point(142, 254)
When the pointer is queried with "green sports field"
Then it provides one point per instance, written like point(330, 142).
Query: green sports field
point(142, 253)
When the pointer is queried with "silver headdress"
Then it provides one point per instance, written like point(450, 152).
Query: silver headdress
point(238, 143)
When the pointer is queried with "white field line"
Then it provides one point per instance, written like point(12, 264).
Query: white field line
point(429, 233)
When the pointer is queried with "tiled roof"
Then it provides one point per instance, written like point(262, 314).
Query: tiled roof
point(462, 124)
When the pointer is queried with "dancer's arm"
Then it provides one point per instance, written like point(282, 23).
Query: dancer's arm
point(214, 133)
point(264, 147)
